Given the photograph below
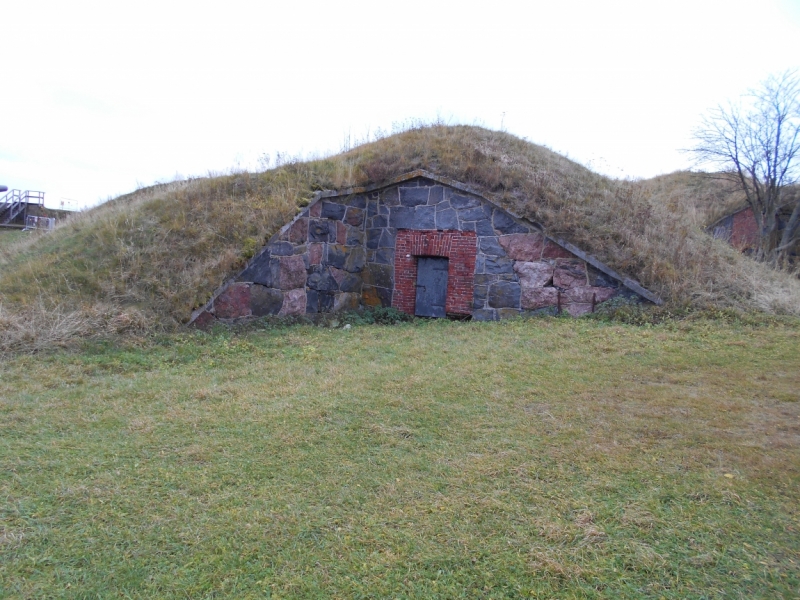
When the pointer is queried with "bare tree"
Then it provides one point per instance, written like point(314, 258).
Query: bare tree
point(757, 142)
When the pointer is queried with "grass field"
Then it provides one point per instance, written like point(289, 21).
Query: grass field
point(544, 458)
point(8, 237)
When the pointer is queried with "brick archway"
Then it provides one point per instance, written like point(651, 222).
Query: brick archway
point(459, 246)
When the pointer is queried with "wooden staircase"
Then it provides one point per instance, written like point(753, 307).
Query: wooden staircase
point(15, 203)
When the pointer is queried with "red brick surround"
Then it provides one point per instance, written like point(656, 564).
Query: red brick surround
point(744, 230)
point(459, 246)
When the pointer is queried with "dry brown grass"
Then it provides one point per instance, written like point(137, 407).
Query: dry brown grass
point(164, 249)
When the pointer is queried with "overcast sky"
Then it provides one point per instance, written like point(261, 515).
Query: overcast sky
point(101, 97)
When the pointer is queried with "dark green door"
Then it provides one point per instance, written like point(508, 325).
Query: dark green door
point(431, 286)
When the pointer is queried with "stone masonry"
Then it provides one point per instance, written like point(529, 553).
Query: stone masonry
point(360, 248)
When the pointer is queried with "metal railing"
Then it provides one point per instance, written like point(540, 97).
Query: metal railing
point(15, 201)
point(45, 223)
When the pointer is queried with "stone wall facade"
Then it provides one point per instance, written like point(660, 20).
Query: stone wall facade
point(360, 248)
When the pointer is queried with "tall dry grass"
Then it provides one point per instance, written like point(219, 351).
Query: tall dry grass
point(161, 251)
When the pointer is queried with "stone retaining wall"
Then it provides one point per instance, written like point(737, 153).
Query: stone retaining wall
point(360, 249)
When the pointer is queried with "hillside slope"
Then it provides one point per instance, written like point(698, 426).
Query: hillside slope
point(148, 258)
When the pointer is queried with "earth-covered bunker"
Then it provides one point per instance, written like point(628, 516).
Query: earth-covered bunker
point(423, 244)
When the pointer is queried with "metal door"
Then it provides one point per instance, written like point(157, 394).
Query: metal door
point(431, 286)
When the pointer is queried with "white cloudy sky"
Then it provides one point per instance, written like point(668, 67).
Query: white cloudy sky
point(99, 97)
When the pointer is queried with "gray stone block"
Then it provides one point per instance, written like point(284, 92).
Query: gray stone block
point(258, 263)
point(479, 296)
point(413, 196)
point(264, 270)
point(373, 237)
point(486, 314)
point(379, 221)
point(436, 194)
point(388, 238)
point(355, 236)
point(495, 264)
point(384, 256)
point(320, 230)
point(350, 283)
point(504, 294)
point(391, 196)
point(312, 301)
point(446, 219)
point(356, 259)
point(507, 313)
point(325, 302)
point(484, 227)
point(322, 281)
point(485, 278)
point(473, 214)
point(600, 279)
point(490, 245)
point(346, 301)
point(402, 217)
point(265, 301)
point(357, 201)
point(508, 277)
point(333, 210)
point(281, 248)
point(467, 226)
point(378, 275)
point(337, 255)
point(372, 208)
point(385, 295)
point(425, 217)
point(461, 201)
point(504, 223)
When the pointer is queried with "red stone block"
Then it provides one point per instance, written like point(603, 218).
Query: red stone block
point(534, 274)
point(553, 250)
point(298, 232)
point(292, 272)
point(584, 294)
point(570, 273)
point(532, 298)
point(233, 302)
point(294, 303)
point(523, 246)
point(315, 254)
point(203, 320)
point(341, 233)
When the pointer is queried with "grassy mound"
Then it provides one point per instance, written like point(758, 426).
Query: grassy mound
point(146, 259)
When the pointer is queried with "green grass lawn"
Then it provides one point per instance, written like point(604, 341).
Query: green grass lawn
point(544, 458)
point(9, 236)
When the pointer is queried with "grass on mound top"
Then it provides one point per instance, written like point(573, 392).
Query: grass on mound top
point(147, 259)
point(538, 459)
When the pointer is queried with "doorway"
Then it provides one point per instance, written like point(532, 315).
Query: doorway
point(431, 286)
